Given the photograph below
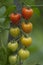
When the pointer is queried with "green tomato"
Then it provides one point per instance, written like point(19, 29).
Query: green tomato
point(13, 46)
point(14, 32)
point(23, 54)
point(12, 59)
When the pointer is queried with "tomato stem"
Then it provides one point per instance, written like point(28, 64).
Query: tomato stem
point(35, 6)
point(4, 28)
point(20, 62)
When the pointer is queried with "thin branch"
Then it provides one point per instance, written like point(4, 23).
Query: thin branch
point(2, 28)
point(35, 6)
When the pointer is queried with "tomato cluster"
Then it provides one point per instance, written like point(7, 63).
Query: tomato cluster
point(25, 41)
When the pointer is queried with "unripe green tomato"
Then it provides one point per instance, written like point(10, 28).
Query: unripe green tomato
point(12, 59)
point(13, 46)
point(14, 32)
point(23, 54)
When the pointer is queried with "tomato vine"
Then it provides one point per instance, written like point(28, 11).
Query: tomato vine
point(16, 48)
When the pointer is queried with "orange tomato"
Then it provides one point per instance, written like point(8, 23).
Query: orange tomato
point(26, 27)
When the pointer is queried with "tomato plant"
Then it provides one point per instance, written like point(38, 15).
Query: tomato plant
point(16, 50)
point(16, 19)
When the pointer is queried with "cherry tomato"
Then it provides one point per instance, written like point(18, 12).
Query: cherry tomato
point(13, 46)
point(23, 54)
point(27, 13)
point(26, 27)
point(15, 18)
point(15, 32)
point(12, 59)
point(26, 41)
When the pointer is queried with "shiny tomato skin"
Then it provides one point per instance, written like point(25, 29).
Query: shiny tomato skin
point(26, 27)
point(12, 59)
point(27, 13)
point(13, 46)
point(26, 41)
point(12, 17)
point(23, 54)
point(14, 32)
point(15, 18)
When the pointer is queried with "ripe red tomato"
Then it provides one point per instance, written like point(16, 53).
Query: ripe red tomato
point(26, 27)
point(27, 13)
point(15, 18)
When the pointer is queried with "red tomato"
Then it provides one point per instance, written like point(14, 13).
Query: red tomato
point(27, 13)
point(15, 18)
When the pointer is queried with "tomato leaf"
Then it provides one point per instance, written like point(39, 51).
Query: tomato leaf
point(10, 9)
point(2, 11)
point(2, 20)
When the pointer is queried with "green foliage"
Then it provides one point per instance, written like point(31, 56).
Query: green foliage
point(40, 2)
point(6, 7)
point(27, 2)
point(2, 10)
point(3, 55)
point(2, 20)
point(6, 3)
point(10, 9)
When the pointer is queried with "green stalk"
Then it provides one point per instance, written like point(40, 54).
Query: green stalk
point(4, 34)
